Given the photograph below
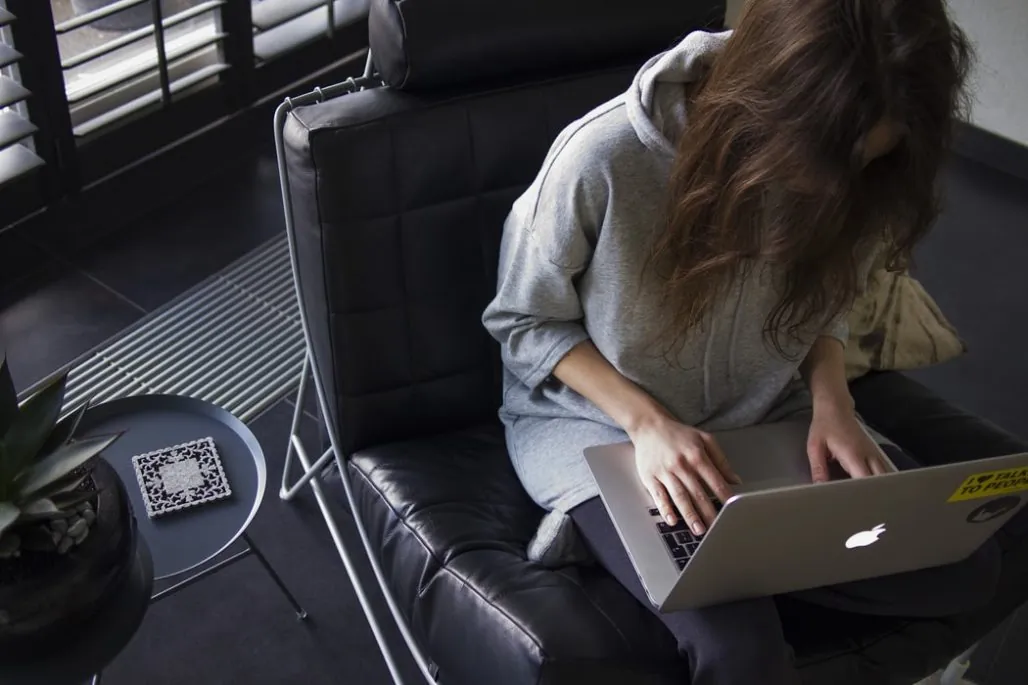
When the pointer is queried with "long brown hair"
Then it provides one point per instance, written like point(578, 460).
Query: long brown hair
point(770, 167)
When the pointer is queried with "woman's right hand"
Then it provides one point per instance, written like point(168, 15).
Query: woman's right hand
point(674, 461)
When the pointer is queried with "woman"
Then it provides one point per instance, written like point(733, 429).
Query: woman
point(684, 263)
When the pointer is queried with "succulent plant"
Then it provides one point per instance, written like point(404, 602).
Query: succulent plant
point(41, 467)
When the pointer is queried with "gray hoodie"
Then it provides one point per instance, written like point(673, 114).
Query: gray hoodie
point(572, 268)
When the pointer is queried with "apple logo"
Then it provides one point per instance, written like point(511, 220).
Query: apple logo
point(865, 537)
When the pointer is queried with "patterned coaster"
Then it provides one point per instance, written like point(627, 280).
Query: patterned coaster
point(179, 477)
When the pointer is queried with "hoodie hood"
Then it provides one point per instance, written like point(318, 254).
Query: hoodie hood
point(656, 100)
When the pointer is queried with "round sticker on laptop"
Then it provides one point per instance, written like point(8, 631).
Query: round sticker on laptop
point(994, 509)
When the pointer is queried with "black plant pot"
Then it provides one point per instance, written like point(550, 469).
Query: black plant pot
point(127, 20)
point(37, 610)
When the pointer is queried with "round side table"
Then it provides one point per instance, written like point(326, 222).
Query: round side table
point(184, 542)
point(181, 543)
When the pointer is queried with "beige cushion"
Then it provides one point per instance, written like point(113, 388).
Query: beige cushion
point(896, 325)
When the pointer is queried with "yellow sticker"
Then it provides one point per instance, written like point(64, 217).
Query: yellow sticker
point(991, 483)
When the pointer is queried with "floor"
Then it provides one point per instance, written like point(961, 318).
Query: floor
point(236, 627)
point(973, 264)
point(57, 305)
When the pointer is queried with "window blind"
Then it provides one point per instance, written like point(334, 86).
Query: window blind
point(116, 83)
point(134, 69)
point(281, 26)
point(17, 151)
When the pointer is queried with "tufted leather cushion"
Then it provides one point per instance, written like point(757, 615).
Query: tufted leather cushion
point(399, 203)
point(419, 44)
point(452, 522)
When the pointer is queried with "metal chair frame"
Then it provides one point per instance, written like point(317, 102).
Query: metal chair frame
point(295, 448)
point(953, 674)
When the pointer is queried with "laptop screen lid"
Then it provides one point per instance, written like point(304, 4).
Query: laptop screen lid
point(783, 540)
point(765, 456)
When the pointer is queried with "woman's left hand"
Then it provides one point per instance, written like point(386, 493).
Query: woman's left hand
point(837, 434)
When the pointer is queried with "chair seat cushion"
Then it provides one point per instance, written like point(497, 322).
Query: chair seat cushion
point(451, 523)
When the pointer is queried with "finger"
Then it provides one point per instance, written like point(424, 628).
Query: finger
point(877, 465)
point(715, 481)
point(699, 497)
point(683, 501)
point(817, 454)
point(718, 458)
point(662, 501)
point(855, 465)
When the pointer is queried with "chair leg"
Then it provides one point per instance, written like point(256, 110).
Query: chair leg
point(351, 572)
point(954, 673)
point(311, 473)
point(295, 445)
point(286, 492)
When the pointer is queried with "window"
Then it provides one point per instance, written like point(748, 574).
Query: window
point(158, 85)
point(17, 148)
point(280, 26)
point(122, 57)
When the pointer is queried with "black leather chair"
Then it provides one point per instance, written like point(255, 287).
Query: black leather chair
point(397, 196)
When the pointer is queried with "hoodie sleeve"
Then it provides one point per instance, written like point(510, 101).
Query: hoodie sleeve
point(839, 328)
point(548, 241)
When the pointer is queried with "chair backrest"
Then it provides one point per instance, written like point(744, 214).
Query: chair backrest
point(398, 203)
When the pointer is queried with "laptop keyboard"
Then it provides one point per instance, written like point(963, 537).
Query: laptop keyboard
point(679, 541)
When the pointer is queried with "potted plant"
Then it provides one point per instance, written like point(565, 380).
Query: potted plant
point(67, 535)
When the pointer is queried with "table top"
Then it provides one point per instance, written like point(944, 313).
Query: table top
point(95, 642)
point(183, 540)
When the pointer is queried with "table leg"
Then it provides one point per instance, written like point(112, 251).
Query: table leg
point(300, 613)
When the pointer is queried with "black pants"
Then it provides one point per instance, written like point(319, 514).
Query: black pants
point(742, 642)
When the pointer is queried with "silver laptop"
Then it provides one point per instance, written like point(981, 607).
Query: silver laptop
point(781, 533)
